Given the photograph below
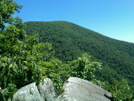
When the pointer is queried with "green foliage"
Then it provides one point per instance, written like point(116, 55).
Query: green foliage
point(83, 68)
point(7, 8)
point(17, 65)
point(18, 69)
point(70, 41)
point(59, 72)
point(99, 83)
point(121, 91)
point(24, 60)
point(23, 65)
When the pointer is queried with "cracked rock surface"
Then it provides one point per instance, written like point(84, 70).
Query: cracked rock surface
point(75, 89)
point(31, 92)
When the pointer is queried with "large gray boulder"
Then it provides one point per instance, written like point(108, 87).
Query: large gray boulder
point(31, 92)
point(77, 89)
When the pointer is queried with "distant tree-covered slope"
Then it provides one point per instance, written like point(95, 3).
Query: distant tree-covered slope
point(70, 41)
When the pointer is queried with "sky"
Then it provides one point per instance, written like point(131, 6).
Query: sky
point(112, 18)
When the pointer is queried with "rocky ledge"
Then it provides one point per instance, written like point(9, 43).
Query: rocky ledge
point(75, 89)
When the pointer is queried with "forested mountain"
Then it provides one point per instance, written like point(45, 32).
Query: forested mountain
point(70, 41)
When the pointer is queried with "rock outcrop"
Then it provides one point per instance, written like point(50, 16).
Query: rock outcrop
point(31, 92)
point(75, 89)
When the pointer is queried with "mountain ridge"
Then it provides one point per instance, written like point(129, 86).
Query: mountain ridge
point(82, 27)
point(71, 40)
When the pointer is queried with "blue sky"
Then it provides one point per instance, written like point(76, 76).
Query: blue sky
point(112, 18)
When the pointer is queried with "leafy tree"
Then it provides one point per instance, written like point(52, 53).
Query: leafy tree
point(7, 8)
point(17, 65)
point(121, 91)
point(84, 68)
